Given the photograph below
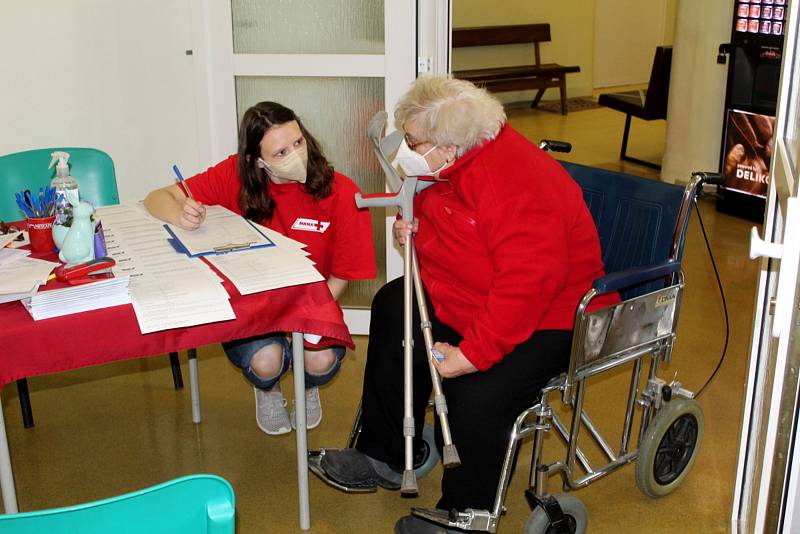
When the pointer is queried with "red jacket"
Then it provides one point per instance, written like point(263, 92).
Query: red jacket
point(506, 246)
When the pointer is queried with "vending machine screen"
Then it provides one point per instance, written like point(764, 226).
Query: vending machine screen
point(763, 17)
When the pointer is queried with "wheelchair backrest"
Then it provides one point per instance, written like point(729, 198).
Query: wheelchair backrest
point(636, 218)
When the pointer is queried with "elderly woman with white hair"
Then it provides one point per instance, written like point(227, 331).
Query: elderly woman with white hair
point(506, 247)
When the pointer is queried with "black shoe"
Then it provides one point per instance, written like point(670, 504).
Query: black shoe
point(411, 524)
point(354, 469)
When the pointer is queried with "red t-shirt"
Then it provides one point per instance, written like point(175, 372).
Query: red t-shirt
point(336, 233)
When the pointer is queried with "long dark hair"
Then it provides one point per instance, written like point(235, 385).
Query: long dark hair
point(254, 199)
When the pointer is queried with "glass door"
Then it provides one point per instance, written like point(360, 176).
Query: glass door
point(768, 476)
point(335, 62)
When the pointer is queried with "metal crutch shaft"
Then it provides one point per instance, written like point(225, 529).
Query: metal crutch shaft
point(449, 453)
point(409, 484)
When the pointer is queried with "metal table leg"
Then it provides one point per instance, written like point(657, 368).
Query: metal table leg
point(194, 386)
point(300, 416)
point(7, 475)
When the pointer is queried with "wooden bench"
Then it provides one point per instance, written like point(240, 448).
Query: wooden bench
point(536, 75)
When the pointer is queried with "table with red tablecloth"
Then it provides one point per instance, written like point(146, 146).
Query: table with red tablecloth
point(111, 334)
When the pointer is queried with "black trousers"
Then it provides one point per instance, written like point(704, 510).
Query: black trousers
point(482, 406)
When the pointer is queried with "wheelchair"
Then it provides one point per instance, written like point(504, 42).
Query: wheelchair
point(642, 226)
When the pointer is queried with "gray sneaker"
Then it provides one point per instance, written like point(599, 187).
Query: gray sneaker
point(313, 409)
point(271, 415)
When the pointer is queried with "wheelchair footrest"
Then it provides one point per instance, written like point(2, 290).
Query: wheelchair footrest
point(315, 466)
point(480, 520)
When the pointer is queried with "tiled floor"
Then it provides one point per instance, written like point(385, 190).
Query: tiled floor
point(120, 427)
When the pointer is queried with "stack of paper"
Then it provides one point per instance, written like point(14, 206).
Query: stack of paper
point(262, 269)
point(104, 293)
point(20, 276)
point(168, 289)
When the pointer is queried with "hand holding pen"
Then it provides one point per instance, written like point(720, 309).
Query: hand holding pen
point(193, 213)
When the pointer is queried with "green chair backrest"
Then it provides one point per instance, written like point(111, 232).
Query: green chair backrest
point(92, 168)
point(197, 504)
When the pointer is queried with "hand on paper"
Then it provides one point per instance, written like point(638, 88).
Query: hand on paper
point(402, 229)
point(192, 215)
point(454, 363)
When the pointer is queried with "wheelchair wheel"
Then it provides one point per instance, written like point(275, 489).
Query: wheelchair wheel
point(669, 447)
point(433, 454)
point(574, 512)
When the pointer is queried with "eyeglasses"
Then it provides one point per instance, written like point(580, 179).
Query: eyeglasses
point(411, 144)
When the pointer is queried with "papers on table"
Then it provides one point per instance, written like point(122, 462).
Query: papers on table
point(222, 231)
point(5, 239)
point(258, 270)
point(168, 289)
point(20, 275)
point(75, 299)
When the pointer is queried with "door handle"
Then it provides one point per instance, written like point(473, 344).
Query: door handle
point(789, 254)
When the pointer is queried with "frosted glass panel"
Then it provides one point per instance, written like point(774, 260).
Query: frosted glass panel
point(307, 26)
point(336, 111)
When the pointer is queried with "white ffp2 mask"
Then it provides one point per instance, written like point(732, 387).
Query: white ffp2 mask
point(413, 163)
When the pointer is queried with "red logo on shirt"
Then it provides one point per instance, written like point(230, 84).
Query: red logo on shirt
point(310, 225)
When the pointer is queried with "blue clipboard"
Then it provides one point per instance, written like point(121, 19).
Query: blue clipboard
point(176, 243)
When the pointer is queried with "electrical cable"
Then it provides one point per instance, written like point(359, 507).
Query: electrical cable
point(724, 303)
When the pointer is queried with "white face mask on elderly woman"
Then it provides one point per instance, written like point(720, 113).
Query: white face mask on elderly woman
point(292, 167)
point(413, 163)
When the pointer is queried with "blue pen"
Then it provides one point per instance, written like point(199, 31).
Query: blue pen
point(183, 182)
point(30, 200)
point(24, 206)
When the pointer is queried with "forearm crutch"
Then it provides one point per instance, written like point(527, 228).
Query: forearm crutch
point(404, 200)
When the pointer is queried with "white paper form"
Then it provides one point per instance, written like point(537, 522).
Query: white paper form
point(177, 302)
point(10, 255)
point(262, 269)
point(5, 239)
point(168, 289)
point(223, 230)
point(24, 274)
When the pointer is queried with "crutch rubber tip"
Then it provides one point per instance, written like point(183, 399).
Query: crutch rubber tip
point(450, 456)
point(409, 486)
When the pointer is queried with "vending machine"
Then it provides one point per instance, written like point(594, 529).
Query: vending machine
point(755, 54)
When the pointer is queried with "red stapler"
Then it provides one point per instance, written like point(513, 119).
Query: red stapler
point(83, 273)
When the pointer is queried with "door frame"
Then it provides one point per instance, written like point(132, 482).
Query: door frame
point(217, 66)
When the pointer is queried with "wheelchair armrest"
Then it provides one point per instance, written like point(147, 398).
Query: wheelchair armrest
point(635, 276)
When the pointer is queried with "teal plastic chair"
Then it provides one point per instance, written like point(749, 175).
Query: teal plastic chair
point(94, 171)
point(194, 504)
point(92, 168)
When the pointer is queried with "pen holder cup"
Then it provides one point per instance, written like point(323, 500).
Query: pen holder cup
point(40, 231)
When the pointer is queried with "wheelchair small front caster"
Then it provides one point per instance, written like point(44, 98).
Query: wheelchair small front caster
point(669, 446)
point(574, 512)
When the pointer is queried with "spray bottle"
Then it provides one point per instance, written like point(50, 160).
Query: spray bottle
point(62, 183)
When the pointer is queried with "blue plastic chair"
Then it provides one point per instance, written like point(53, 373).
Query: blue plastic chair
point(194, 504)
point(94, 171)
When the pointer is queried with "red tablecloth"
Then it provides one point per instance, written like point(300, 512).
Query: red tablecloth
point(30, 348)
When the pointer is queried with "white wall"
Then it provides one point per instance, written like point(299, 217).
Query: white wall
point(109, 75)
point(627, 33)
point(696, 89)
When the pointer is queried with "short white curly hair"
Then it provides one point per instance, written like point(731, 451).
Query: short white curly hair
point(448, 111)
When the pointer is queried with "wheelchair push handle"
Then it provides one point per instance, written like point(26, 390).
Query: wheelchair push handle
point(713, 178)
point(555, 146)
